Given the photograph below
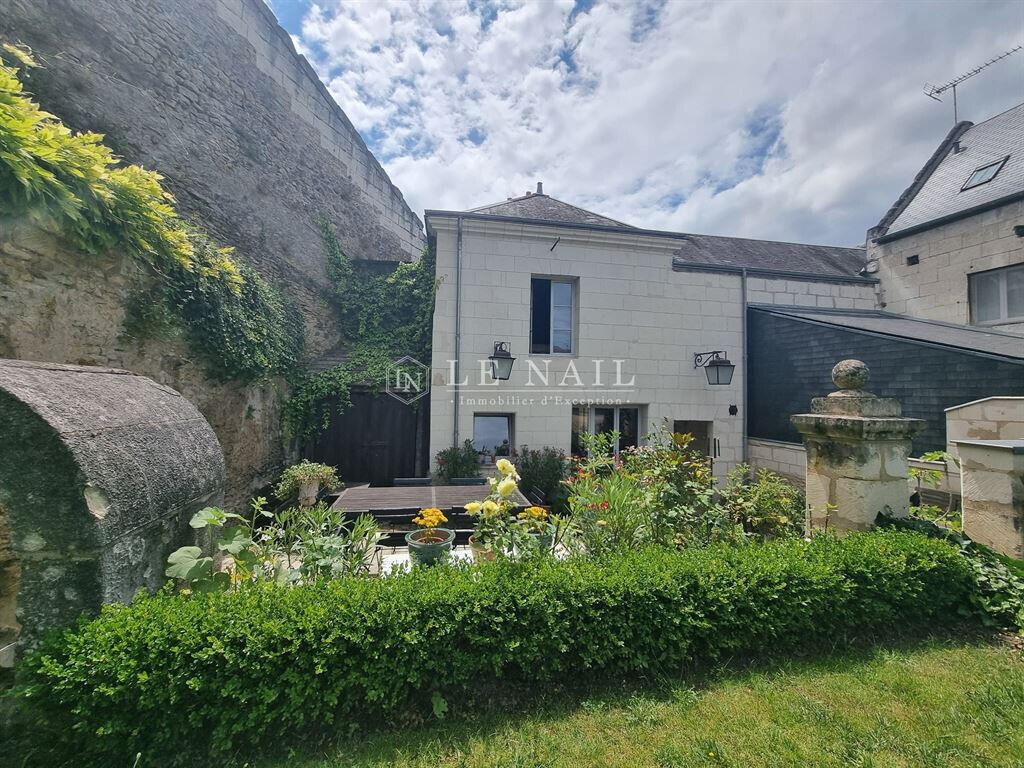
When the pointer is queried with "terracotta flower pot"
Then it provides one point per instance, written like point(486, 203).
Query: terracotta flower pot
point(480, 551)
point(429, 545)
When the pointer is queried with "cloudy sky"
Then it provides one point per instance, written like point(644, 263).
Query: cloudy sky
point(794, 121)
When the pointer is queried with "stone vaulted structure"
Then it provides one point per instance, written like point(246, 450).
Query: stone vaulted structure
point(100, 472)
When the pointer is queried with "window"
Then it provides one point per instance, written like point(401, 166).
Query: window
point(551, 315)
point(997, 296)
point(603, 419)
point(913, 260)
point(492, 434)
point(984, 174)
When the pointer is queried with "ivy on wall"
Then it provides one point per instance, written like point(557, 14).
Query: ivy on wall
point(383, 317)
point(238, 323)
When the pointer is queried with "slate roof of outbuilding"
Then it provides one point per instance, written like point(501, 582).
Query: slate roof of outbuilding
point(540, 206)
point(936, 191)
point(965, 337)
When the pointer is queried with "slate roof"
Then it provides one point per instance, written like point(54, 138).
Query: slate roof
point(964, 337)
point(770, 255)
point(936, 191)
point(540, 206)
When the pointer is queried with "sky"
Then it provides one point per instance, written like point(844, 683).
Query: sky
point(796, 121)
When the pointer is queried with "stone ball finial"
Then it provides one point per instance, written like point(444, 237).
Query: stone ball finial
point(851, 374)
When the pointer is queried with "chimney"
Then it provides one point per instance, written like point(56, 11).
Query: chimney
point(540, 188)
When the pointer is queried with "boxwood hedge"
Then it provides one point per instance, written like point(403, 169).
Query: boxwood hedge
point(183, 678)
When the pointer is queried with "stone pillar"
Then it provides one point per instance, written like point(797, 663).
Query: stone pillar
point(992, 488)
point(857, 449)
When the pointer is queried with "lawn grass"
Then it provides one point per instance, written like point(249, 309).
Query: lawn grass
point(941, 704)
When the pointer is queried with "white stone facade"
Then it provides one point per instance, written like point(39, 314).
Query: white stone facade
point(631, 306)
point(936, 288)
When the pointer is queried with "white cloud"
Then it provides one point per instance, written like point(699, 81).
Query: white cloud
point(797, 121)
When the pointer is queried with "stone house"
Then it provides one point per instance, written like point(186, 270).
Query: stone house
point(951, 248)
point(605, 320)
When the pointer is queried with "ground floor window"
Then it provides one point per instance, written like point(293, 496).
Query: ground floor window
point(492, 434)
point(600, 419)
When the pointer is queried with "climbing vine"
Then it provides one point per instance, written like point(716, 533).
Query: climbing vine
point(383, 317)
point(71, 183)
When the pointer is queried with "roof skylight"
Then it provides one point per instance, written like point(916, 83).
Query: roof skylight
point(984, 174)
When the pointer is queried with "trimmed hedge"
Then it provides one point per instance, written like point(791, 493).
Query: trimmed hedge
point(183, 678)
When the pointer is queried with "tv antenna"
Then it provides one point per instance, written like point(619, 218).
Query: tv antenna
point(934, 91)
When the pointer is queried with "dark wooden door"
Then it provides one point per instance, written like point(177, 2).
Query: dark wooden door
point(375, 440)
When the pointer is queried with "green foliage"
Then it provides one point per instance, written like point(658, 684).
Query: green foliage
point(304, 472)
point(206, 676)
point(764, 503)
point(301, 545)
point(998, 594)
point(544, 469)
point(383, 317)
point(72, 184)
point(457, 461)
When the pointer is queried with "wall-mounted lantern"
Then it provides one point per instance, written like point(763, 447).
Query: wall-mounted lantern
point(501, 361)
point(716, 365)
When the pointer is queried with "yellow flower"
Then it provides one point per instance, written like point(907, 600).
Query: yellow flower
point(431, 517)
point(490, 506)
point(506, 486)
point(473, 507)
point(505, 466)
point(537, 513)
point(602, 523)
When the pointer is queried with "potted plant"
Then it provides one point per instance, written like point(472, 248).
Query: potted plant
point(431, 543)
point(306, 478)
point(534, 521)
point(492, 516)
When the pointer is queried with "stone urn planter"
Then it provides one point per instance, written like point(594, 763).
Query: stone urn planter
point(308, 491)
point(430, 545)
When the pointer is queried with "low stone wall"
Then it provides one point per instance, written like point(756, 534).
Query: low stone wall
point(991, 418)
point(61, 306)
point(993, 493)
point(786, 459)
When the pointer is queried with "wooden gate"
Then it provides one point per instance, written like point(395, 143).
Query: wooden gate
point(375, 440)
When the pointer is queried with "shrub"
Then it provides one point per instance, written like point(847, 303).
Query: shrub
point(305, 471)
point(188, 678)
point(458, 462)
point(544, 469)
point(765, 503)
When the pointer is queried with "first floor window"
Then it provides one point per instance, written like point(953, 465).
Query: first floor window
point(997, 296)
point(492, 434)
point(551, 315)
point(604, 419)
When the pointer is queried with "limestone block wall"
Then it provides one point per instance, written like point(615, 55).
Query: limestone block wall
point(212, 94)
point(57, 305)
point(993, 493)
point(991, 418)
point(935, 288)
point(786, 459)
point(805, 293)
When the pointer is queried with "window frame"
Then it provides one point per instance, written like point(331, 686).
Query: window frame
point(510, 418)
point(641, 422)
point(999, 163)
point(1004, 306)
point(573, 283)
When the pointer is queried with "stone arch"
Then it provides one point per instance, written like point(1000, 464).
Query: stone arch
point(100, 471)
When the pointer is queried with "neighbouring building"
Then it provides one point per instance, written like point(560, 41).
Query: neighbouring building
point(605, 321)
point(951, 248)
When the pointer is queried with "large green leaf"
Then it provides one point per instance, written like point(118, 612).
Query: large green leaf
point(189, 565)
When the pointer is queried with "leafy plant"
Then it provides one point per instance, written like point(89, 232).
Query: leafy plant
point(305, 471)
point(458, 461)
point(933, 478)
point(382, 317)
point(72, 184)
point(765, 504)
point(544, 469)
point(164, 676)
